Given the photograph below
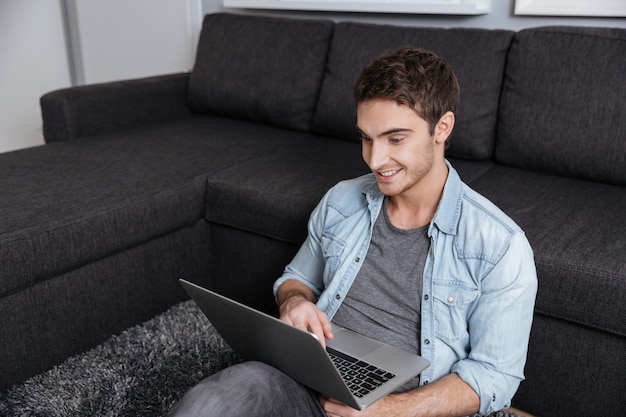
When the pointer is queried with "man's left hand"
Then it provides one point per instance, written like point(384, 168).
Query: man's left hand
point(448, 396)
point(335, 408)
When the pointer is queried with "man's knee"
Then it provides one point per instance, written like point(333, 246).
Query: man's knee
point(252, 377)
point(235, 391)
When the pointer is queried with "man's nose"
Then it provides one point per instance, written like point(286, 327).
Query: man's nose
point(379, 155)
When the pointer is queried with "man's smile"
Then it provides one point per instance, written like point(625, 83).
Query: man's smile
point(388, 173)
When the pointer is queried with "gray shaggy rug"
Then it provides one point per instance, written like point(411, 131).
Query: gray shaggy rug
point(141, 372)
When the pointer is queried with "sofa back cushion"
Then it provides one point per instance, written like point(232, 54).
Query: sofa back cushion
point(563, 105)
point(263, 69)
point(477, 57)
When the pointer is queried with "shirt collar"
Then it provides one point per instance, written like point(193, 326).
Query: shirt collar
point(447, 215)
point(449, 208)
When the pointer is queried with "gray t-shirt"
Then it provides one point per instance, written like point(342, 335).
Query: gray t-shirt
point(384, 301)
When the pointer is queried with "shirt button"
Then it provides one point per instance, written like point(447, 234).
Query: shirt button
point(427, 342)
point(357, 260)
point(426, 297)
point(450, 299)
point(338, 297)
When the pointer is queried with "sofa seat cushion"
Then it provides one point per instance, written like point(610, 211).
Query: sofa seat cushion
point(578, 235)
point(477, 57)
point(60, 218)
point(558, 115)
point(274, 195)
point(260, 68)
point(67, 204)
point(470, 170)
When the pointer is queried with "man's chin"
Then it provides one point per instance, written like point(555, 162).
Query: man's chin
point(387, 190)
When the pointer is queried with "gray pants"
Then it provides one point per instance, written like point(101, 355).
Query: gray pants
point(250, 389)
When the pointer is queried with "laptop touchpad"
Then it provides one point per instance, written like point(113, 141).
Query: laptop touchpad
point(354, 343)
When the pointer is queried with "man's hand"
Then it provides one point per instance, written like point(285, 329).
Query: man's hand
point(296, 303)
point(449, 396)
point(335, 408)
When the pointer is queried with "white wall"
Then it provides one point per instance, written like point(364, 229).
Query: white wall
point(500, 17)
point(122, 39)
point(33, 60)
point(51, 44)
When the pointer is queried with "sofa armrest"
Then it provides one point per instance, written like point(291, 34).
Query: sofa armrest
point(76, 112)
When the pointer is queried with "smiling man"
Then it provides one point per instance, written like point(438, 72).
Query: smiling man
point(407, 254)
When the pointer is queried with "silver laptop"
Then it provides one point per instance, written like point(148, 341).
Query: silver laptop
point(353, 369)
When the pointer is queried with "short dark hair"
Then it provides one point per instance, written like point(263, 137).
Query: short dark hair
point(412, 77)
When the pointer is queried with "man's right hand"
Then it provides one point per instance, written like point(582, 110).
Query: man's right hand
point(297, 307)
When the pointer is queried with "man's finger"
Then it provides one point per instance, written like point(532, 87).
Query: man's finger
point(327, 329)
point(316, 328)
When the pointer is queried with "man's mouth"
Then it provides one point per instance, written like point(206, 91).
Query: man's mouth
point(387, 173)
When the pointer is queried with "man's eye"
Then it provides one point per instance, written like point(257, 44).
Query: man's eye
point(395, 140)
point(365, 138)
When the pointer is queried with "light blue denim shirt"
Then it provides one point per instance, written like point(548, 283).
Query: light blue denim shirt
point(479, 281)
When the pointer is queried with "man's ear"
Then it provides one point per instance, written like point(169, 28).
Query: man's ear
point(444, 127)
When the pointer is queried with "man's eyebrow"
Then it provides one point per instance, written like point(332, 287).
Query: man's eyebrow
point(388, 132)
point(396, 130)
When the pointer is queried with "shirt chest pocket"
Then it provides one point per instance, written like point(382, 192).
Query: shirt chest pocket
point(332, 248)
point(453, 301)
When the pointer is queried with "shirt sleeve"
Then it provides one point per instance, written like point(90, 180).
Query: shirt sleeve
point(499, 328)
point(308, 264)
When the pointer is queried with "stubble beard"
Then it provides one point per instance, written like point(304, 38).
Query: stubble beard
point(414, 178)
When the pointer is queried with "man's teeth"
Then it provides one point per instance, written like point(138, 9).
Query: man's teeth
point(388, 173)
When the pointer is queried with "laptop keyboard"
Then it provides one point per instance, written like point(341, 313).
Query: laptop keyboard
point(361, 377)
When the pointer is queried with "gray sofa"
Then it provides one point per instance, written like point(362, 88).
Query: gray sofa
point(211, 176)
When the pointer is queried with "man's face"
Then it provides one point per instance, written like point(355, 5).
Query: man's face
point(397, 146)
